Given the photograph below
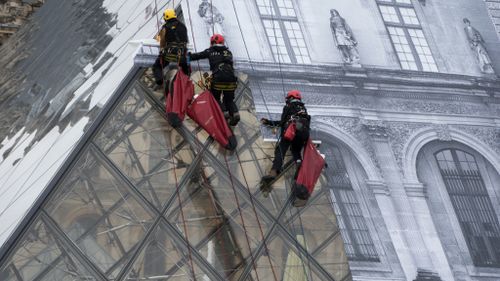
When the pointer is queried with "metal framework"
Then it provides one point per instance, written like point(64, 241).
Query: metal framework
point(121, 179)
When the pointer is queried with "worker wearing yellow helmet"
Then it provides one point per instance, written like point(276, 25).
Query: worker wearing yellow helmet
point(173, 40)
point(169, 14)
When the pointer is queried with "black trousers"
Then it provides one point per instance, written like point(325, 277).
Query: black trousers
point(297, 144)
point(158, 67)
point(227, 103)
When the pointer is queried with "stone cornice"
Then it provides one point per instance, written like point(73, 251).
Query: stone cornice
point(413, 83)
point(389, 115)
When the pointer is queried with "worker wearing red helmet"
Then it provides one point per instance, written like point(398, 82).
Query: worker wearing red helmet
point(295, 112)
point(224, 82)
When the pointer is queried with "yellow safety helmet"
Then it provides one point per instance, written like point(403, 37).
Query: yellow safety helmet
point(169, 14)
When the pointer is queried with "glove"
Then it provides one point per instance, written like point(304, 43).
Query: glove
point(265, 121)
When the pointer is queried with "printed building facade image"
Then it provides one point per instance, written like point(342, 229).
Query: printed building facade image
point(405, 103)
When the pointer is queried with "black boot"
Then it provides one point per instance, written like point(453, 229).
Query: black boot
point(157, 87)
point(265, 182)
point(235, 115)
point(235, 118)
point(271, 176)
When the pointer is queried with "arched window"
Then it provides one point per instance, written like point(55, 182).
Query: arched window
point(358, 242)
point(472, 205)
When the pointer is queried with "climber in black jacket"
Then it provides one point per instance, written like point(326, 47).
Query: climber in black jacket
point(294, 111)
point(173, 40)
point(224, 82)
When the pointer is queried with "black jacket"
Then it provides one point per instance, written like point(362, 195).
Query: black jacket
point(292, 108)
point(173, 31)
point(219, 57)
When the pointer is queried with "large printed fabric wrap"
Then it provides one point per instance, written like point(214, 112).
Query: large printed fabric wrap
point(309, 172)
point(179, 99)
point(206, 112)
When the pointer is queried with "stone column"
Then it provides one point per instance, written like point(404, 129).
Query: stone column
point(408, 240)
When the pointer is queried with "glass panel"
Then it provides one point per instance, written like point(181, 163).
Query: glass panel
point(297, 41)
point(286, 8)
point(242, 225)
point(409, 16)
point(99, 213)
point(389, 13)
point(39, 256)
point(149, 82)
point(266, 7)
point(273, 31)
point(284, 262)
point(402, 48)
point(140, 142)
point(303, 222)
point(215, 227)
point(403, 36)
point(423, 50)
point(296, 268)
point(162, 259)
point(332, 257)
point(472, 205)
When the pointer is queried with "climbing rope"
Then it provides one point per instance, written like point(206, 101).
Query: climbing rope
point(239, 160)
point(213, 20)
point(291, 182)
point(227, 165)
point(265, 104)
point(241, 215)
point(231, 178)
point(177, 190)
point(229, 170)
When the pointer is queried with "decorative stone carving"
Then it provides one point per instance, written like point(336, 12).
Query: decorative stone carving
point(443, 132)
point(435, 106)
point(212, 17)
point(488, 135)
point(399, 134)
point(344, 38)
point(375, 128)
point(353, 127)
point(477, 45)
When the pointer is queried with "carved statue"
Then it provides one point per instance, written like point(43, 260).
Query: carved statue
point(477, 44)
point(344, 38)
point(212, 17)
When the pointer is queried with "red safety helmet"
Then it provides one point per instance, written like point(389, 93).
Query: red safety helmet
point(295, 94)
point(216, 39)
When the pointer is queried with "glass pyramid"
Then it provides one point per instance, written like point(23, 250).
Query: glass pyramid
point(144, 201)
